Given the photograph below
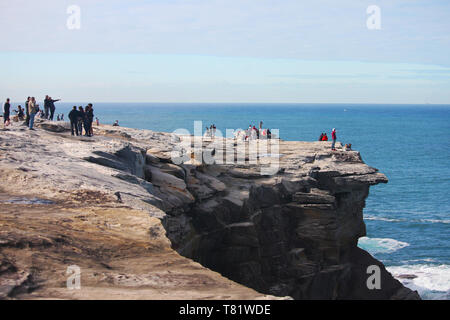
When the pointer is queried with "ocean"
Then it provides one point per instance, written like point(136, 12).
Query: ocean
point(408, 219)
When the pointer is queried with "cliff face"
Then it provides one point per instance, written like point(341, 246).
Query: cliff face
point(293, 233)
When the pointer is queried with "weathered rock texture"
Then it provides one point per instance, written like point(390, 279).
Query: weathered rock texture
point(117, 199)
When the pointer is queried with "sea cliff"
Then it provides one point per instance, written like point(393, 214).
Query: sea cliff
point(140, 225)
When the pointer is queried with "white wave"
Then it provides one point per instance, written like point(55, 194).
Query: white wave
point(431, 281)
point(433, 220)
point(419, 260)
point(368, 217)
point(380, 245)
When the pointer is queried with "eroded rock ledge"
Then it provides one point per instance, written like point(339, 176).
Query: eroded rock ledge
point(291, 234)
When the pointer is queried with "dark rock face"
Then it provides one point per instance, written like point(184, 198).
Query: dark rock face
point(295, 236)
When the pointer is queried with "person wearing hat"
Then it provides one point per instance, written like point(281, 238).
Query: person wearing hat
point(333, 137)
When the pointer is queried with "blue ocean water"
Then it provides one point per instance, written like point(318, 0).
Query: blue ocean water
point(408, 219)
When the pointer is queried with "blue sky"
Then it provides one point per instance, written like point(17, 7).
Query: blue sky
point(227, 51)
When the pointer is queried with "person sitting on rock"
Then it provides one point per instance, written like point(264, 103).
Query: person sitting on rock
point(20, 113)
point(116, 124)
point(321, 137)
point(325, 137)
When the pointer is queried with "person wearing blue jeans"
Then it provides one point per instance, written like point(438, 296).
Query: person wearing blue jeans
point(333, 137)
point(32, 107)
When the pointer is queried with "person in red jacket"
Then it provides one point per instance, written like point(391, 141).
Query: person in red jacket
point(325, 137)
point(333, 137)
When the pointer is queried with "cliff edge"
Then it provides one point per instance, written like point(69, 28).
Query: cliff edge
point(140, 226)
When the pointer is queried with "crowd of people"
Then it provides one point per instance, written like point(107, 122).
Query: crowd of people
point(210, 131)
point(29, 113)
point(81, 118)
point(253, 133)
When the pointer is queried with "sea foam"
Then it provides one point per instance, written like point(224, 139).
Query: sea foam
point(431, 281)
point(368, 217)
point(380, 245)
point(378, 218)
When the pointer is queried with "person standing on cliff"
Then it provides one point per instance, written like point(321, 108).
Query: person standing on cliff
point(6, 112)
point(33, 108)
point(27, 112)
point(73, 117)
point(46, 106)
point(52, 107)
point(80, 120)
point(90, 117)
point(333, 137)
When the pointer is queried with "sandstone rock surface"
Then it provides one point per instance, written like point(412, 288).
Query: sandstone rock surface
point(142, 227)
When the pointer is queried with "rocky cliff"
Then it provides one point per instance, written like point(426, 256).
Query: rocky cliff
point(117, 206)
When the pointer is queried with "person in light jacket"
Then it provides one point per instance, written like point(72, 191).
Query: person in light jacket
point(32, 109)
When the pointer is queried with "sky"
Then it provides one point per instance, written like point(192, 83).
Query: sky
point(318, 51)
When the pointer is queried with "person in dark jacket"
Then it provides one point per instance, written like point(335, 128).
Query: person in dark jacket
point(80, 119)
point(73, 116)
point(46, 106)
point(20, 114)
point(52, 107)
point(91, 119)
point(87, 130)
point(6, 112)
point(321, 137)
point(27, 112)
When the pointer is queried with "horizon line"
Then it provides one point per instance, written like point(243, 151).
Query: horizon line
point(247, 102)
